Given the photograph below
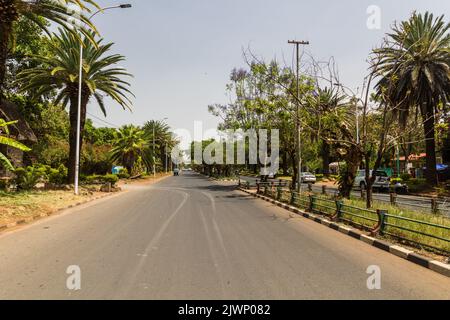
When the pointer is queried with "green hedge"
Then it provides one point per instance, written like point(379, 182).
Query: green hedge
point(98, 179)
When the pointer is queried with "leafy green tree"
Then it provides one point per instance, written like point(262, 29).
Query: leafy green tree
point(414, 74)
point(59, 72)
point(28, 40)
point(98, 136)
point(130, 145)
point(7, 141)
point(51, 10)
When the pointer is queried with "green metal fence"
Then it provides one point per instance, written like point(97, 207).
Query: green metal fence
point(322, 205)
point(360, 217)
point(415, 232)
point(421, 233)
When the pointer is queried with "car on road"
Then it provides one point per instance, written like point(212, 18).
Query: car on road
point(381, 182)
point(308, 177)
point(176, 172)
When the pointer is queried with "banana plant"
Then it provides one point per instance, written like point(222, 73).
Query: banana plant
point(6, 140)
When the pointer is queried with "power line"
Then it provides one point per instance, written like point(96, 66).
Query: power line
point(104, 121)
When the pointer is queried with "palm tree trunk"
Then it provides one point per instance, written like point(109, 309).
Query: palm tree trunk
point(285, 163)
point(73, 113)
point(326, 159)
point(430, 143)
point(5, 32)
point(294, 171)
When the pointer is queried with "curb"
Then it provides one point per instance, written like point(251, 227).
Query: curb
point(31, 219)
point(436, 266)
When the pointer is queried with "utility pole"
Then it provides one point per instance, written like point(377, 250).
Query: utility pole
point(298, 122)
point(154, 157)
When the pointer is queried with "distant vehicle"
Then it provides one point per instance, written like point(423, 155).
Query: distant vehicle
point(381, 181)
point(308, 177)
point(176, 172)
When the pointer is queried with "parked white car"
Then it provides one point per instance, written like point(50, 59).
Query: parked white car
point(381, 180)
point(308, 177)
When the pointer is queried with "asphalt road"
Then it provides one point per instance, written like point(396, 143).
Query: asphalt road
point(189, 238)
point(409, 202)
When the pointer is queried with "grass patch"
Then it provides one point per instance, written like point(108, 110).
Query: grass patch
point(17, 206)
point(414, 228)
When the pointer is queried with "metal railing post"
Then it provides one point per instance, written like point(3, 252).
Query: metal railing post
point(312, 202)
point(393, 198)
point(434, 205)
point(324, 190)
point(279, 190)
point(293, 198)
point(310, 187)
point(339, 205)
point(382, 221)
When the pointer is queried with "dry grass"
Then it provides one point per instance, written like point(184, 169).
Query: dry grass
point(22, 205)
point(16, 206)
point(353, 212)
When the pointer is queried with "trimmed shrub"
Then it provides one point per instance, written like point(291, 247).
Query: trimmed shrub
point(92, 179)
point(123, 174)
point(28, 178)
point(97, 179)
point(405, 177)
point(110, 178)
point(58, 176)
point(417, 185)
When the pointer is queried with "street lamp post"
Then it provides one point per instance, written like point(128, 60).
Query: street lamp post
point(154, 158)
point(80, 87)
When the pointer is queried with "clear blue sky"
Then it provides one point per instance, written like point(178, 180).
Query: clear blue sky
point(182, 51)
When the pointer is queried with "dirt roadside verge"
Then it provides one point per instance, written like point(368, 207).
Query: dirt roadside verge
point(26, 207)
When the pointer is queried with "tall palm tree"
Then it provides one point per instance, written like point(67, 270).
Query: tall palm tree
point(52, 10)
point(414, 71)
point(131, 144)
point(58, 73)
point(328, 107)
point(164, 139)
point(7, 141)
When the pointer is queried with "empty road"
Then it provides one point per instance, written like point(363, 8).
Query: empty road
point(189, 238)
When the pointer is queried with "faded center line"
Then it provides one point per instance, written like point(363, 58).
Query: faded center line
point(154, 241)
